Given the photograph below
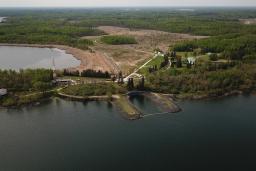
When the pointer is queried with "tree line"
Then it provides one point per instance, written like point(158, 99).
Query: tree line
point(87, 73)
point(24, 80)
point(230, 46)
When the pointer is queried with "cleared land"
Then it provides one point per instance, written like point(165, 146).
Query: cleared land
point(127, 57)
point(113, 58)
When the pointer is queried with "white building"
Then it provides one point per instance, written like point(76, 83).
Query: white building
point(191, 60)
point(3, 92)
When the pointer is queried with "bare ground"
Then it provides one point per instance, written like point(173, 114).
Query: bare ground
point(113, 58)
point(127, 57)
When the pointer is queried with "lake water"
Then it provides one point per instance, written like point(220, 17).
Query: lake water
point(28, 57)
point(66, 135)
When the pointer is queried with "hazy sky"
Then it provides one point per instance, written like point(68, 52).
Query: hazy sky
point(91, 3)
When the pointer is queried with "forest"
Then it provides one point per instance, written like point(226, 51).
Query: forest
point(229, 40)
point(202, 82)
point(25, 86)
point(67, 26)
point(233, 46)
point(25, 80)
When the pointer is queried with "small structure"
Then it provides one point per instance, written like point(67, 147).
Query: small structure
point(64, 82)
point(3, 19)
point(54, 71)
point(191, 60)
point(3, 92)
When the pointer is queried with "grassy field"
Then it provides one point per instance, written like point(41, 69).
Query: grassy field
point(156, 61)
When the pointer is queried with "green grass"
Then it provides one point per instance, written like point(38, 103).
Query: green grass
point(183, 54)
point(156, 61)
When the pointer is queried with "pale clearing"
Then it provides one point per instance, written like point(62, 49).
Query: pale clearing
point(127, 57)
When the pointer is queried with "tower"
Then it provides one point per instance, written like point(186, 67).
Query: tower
point(54, 74)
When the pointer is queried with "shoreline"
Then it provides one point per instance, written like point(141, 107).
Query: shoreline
point(129, 110)
point(88, 60)
point(87, 98)
point(207, 96)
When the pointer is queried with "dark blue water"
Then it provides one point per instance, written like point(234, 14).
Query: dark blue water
point(65, 135)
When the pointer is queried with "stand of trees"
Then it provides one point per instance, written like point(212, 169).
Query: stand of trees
point(93, 73)
point(152, 69)
point(99, 89)
point(130, 84)
point(231, 46)
point(87, 73)
point(35, 79)
point(67, 72)
point(165, 62)
point(202, 81)
point(118, 40)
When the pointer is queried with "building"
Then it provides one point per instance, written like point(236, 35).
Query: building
point(3, 92)
point(64, 82)
point(191, 60)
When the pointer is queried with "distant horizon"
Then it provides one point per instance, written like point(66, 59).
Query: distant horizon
point(77, 7)
point(125, 3)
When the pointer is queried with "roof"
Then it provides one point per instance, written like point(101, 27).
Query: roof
point(3, 91)
point(191, 60)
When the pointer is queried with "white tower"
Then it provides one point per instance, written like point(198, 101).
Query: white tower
point(54, 68)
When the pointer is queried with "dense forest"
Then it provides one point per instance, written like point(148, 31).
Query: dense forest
point(66, 26)
point(203, 82)
point(25, 86)
point(233, 46)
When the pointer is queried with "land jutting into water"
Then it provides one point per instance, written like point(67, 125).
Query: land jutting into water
point(162, 59)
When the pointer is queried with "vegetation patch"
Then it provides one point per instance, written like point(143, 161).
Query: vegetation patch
point(230, 46)
point(203, 80)
point(118, 40)
point(26, 80)
point(98, 89)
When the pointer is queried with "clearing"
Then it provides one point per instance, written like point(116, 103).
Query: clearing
point(127, 57)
